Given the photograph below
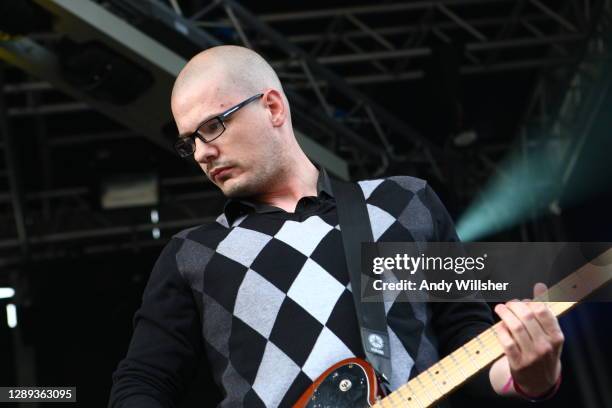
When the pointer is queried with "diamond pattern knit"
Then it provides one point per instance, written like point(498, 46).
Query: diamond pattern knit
point(275, 302)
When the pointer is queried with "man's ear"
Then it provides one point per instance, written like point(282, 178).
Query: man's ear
point(276, 107)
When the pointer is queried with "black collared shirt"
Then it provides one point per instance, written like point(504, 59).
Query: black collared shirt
point(306, 206)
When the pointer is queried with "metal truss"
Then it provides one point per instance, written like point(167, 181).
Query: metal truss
point(389, 42)
point(10, 173)
point(380, 43)
point(324, 57)
point(563, 116)
point(56, 223)
point(558, 120)
point(65, 222)
point(325, 106)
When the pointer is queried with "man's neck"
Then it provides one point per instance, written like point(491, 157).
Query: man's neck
point(298, 183)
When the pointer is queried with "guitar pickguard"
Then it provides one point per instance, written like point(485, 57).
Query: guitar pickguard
point(346, 387)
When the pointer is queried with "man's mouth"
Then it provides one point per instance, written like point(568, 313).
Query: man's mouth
point(219, 172)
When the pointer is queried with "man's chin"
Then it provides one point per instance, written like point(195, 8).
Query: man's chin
point(232, 188)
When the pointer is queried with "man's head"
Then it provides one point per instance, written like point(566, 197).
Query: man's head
point(258, 141)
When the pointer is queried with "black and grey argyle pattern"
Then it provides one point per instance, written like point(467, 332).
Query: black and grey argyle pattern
point(277, 308)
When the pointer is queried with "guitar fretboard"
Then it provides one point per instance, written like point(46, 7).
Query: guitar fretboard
point(446, 375)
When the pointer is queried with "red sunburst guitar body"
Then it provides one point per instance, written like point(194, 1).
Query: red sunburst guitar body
point(350, 383)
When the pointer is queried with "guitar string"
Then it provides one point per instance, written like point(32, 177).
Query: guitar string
point(460, 362)
point(408, 398)
point(486, 336)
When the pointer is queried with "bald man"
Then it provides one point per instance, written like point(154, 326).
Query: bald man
point(267, 164)
point(263, 293)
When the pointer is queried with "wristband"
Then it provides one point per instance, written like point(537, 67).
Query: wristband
point(542, 397)
point(507, 386)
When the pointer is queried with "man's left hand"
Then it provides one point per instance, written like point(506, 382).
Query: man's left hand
point(532, 341)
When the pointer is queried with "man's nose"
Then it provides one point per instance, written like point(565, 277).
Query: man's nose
point(204, 152)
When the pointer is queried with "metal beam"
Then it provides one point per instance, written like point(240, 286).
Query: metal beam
point(106, 232)
point(56, 108)
point(79, 15)
point(322, 155)
point(27, 87)
point(370, 9)
point(461, 22)
point(465, 70)
point(483, 22)
point(79, 191)
point(14, 175)
point(538, 33)
point(141, 116)
point(426, 51)
point(368, 30)
point(555, 16)
point(94, 137)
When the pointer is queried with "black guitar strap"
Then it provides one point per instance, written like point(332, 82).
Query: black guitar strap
point(355, 228)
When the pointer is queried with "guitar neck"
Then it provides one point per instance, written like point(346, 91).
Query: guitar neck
point(435, 383)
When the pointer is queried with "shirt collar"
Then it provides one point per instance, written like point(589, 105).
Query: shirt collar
point(323, 182)
point(235, 208)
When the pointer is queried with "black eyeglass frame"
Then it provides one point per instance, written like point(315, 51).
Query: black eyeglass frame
point(220, 118)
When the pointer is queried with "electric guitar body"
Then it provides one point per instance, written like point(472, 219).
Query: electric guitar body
point(350, 383)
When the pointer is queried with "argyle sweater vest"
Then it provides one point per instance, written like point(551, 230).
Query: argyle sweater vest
point(276, 306)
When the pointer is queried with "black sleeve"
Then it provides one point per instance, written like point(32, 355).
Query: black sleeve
point(456, 323)
point(166, 344)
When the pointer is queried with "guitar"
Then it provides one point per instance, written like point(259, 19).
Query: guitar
point(353, 383)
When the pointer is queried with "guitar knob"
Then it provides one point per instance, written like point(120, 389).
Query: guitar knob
point(345, 385)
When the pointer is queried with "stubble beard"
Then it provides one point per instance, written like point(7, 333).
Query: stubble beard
point(259, 178)
point(249, 185)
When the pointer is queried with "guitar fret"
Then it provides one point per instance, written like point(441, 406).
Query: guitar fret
point(448, 377)
point(464, 348)
point(429, 383)
point(433, 380)
point(394, 395)
point(418, 400)
point(483, 346)
point(418, 379)
point(452, 357)
point(384, 403)
point(565, 288)
point(409, 399)
point(494, 345)
point(402, 399)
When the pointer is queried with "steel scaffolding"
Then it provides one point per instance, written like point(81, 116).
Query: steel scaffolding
point(326, 58)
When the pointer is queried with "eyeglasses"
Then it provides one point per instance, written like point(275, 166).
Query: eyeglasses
point(209, 130)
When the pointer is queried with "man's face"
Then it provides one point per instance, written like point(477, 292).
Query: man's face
point(246, 153)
